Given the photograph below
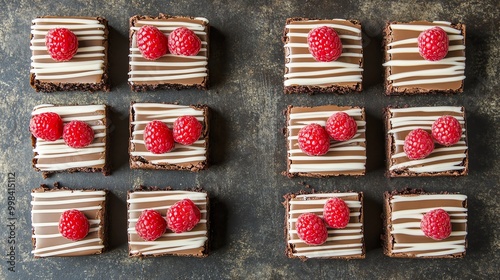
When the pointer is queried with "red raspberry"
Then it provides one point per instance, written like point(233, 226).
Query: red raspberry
point(446, 130)
point(311, 229)
point(150, 225)
point(158, 137)
point(183, 41)
point(324, 44)
point(336, 213)
point(183, 216)
point(418, 144)
point(436, 224)
point(61, 43)
point(341, 127)
point(187, 129)
point(47, 126)
point(78, 134)
point(433, 44)
point(152, 43)
point(313, 140)
point(73, 225)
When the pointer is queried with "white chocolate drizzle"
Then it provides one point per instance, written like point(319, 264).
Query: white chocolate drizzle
point(351, 237)
point(327, 73)
point(411, 227)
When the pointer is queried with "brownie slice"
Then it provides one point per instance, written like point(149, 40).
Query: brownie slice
point(47, 206)
point(192, 243)
point(183, 157)
point(86, 71)
point(303, 74)
point(406, 72)
point(343, 158)
point(50, 157)
point(443, 161)
point(347, 243)
point(169, 71)
point(403, 211)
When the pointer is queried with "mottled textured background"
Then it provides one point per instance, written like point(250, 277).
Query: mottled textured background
point(248, 147)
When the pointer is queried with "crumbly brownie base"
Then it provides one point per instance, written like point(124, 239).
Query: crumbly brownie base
point(103, 85)
point(386, 237)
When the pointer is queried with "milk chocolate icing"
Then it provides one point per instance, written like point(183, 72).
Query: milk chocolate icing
point(343, 158)
point(408, 72)
point(47, 207)
point(301, 69)
point(443, 160)
point(341, 243)
point(405, 214)
point(190, 243)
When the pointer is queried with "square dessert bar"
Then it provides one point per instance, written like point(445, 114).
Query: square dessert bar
point(403, 212)
point(56, 156)
point(347, 243)
point(406, 72)
point(192, 243)
point(443, 161)
point(343, 158)
point(182, 157)
point(86, 71)
point(169, 71)
point(303, 74)
point(47, 206)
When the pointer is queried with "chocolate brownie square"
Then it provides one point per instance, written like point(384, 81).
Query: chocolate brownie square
point(86, 71)
point(47, 206)
point(346, 243)
point(443, 161)
point(169, 71)
point(403, 211)
point(192, 243)
point(183, 157)
point(406, 72)
point(56, 156)
point(343, 158)
point(303, 74)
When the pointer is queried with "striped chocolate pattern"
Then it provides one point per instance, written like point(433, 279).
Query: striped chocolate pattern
point(303, 70)
point(57, 156)
point(407, 212)
point(442, 159)
point(341, 243)
point(47, 207)
point(190, 243)
point(343, 158)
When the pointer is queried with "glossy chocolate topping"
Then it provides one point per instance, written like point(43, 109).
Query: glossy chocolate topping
point(347, 242)
point(343, 158)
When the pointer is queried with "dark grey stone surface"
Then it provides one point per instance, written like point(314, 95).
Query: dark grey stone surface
point(248, 147)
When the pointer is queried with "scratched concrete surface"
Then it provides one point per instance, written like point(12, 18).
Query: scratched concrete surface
point(248, 149)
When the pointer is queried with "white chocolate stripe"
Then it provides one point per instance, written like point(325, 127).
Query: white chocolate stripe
point(316, 210)
point(312, 26)
point(419, 232)
point(55, 224)
point(80, 50)
point(332, 149)
point(85, 67)
point(174, 24)
point(67, 245)
point(198, 244)
point(323, 72)
point(412, 27)
point(304, 35)
point(415, 41)
point(63, 166)
point(86, 38)
point(345, 54)
point(82, 55)
point(334, 238)
point(322, 64)
point(72, 27)
point(428, 160)
point(436, 72)
point(65, 110)
point(445, 61)
point(443, 149)
point(58, 235)
point(330, 253)
point(305, 45)
point(64, 193)
point(327, 167)
point(61, 252)
point(350, 204)
point(169, 78)
point(403, 198)
point(162, 208)
point(430, 81)
point(415, 50)
point(51, 211)
point(167, 72)
point(416, 225)
point(355, 112)
point(65, 20)
point(68, 201)
point(329, 158)
point(68, 76)
point(321, 81)
point(415, 213)
point(43, 33)
point(343, 246)
point(428, 109)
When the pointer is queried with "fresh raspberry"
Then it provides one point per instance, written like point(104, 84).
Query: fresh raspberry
point(311, 229)
point(187, 129)
point(336, 213)
point(324, 44)
point(47, 126)
point(150, 225)
point(418, 144)
point(158, 137)
point(446, 130)
point(73, 225)
point(61, 43)
point(78, 134)
point(313, 140)
point(436, 224)
point(183, 216)
point(183, 41)
point(341, 127)
point(152, 43)
point(433, 44)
